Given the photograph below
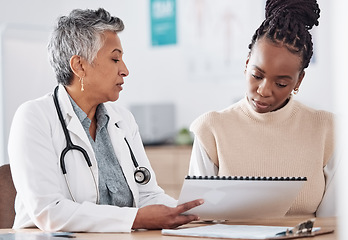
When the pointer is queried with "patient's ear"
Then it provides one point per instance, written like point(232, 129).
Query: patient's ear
point(300, 78)
point(246, 63)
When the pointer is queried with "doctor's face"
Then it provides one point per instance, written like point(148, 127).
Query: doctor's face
point(104, 77)
point(272, 72)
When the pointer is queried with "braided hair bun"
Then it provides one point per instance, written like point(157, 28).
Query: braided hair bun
point(288, 23)
point(303, 12)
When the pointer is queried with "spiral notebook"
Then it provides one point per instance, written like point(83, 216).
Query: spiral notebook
point(235, 197)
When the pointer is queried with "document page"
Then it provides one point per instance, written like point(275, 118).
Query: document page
point(230, 231)
point(226, 199)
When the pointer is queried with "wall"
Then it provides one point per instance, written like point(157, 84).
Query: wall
point(340, 62)
point(189, 74)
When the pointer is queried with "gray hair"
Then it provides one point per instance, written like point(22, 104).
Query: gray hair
point(79, 33)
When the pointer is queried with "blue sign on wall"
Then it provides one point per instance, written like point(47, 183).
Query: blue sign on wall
point(163, 22)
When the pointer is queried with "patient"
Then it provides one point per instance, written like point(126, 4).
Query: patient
point(269, 133)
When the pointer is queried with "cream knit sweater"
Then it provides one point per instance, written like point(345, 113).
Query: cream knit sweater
point(292, 141)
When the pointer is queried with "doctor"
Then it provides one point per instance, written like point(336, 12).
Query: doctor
point(118, 192)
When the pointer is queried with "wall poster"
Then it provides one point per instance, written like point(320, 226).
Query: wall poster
point(163, 22)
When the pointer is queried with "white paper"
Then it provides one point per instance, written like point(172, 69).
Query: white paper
point(229, 231)
point(240, 199)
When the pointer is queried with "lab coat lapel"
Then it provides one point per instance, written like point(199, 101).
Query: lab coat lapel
point(117, 136)
point(73, 124)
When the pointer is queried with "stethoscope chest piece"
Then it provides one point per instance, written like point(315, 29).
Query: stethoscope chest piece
point(142, 175)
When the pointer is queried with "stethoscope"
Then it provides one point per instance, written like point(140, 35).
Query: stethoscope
point(141, 174)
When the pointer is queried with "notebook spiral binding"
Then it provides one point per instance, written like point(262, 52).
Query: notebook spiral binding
point(246, 178)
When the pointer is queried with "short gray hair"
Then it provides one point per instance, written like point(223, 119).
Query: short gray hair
point(79, 33)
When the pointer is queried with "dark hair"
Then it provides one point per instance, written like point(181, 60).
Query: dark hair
point(288, 23)
point(79, 33)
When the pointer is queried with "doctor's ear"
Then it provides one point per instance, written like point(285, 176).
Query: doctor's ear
point(77, 65)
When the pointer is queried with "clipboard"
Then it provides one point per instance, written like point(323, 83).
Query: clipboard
point(236, 197)
point(302, 230)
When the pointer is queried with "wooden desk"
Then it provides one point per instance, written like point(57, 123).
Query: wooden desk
point(156, 234)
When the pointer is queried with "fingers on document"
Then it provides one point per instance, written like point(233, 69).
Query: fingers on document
point(187, 206)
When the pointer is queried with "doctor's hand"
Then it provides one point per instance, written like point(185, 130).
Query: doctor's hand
point(161, 216)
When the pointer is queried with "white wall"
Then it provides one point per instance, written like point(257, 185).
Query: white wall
point(157, 74)
point(340, 62)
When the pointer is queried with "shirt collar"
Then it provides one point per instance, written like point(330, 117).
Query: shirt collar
point(101, 114)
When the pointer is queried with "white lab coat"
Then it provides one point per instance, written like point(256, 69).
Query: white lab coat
point(35, 144)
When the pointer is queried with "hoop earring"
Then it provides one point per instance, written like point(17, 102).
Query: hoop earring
point(81, 81)
point(296, 90)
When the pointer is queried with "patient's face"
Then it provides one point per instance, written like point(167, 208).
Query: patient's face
point(272, 72)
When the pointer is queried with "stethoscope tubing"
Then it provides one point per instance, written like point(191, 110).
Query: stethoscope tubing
point(71, 146)
point(142, 175)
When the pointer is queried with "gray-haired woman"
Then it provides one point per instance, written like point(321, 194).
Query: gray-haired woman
point(77, 159)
